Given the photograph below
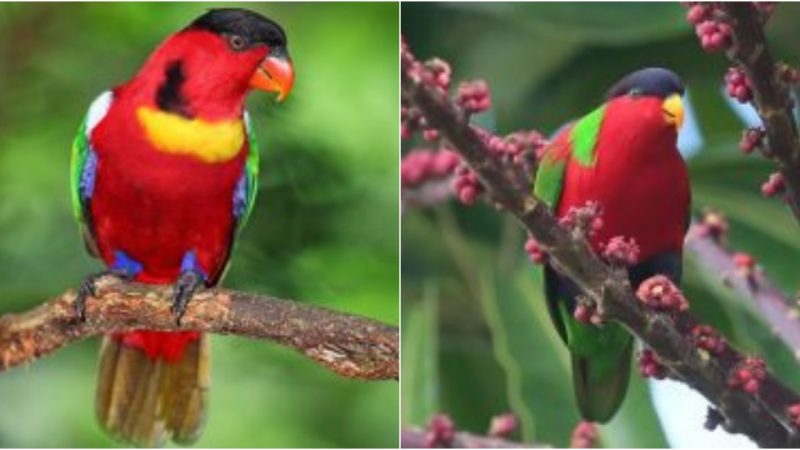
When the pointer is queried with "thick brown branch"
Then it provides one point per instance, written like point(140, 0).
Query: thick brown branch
point(771, 302)
point(352, 346)
point(771, 96)
point(761, 416)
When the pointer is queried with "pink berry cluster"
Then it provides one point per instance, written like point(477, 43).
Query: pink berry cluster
point(584, 435)
point(774, 185)
point(621, 251)
point(752, 138)
point(474, 96)
point(535, 252)
point(659, 293)
point(748, 375)
point(794, 414)
point(441, 431)
point(434, 73)
point(467, 185)
point(586, 219)
point(586, 312)
point(518, 147)
point(713, 33)
point(439, 73)
point(421, 165)
point(650, 366)
point(745, 264)
point(738, 85)
point(707, 339)
point(713, 225)
point(503, 425)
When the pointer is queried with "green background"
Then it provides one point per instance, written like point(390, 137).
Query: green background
point(325, 226)
point(477, 340)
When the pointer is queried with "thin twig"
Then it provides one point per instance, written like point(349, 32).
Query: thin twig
point(351, 346)
point(761, 416)
point(775, 307)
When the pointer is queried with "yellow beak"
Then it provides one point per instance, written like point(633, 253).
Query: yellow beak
point(673, 111)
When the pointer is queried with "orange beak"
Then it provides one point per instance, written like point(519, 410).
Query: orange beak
point(275, 74)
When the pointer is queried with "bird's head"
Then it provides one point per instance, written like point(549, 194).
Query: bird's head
point(656, 87)
point(209, 67)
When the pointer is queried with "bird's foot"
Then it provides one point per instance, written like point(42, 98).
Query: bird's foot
point(88, 289)
point(187, 284)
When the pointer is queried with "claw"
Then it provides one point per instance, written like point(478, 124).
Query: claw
point(185, 288)
point(85, 291)
point(89, 289)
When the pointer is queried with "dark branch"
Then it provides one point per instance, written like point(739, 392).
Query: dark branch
point(771, 95)
point(352, 346)
point(761, 416)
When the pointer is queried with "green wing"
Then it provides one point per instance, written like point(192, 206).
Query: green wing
point(250, 177)
point(577, 142)
point(83, 165)
point(80, 154)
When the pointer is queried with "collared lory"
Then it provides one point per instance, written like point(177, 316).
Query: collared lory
point(164, 175)
point(623, 157)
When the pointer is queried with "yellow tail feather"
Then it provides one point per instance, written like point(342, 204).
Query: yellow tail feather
point(145, 401)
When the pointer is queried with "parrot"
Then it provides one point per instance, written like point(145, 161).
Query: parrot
point(164, 174)
point(623, 155)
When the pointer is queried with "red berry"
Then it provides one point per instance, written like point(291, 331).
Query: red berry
point(503, 425)
point(774, 185)
point(474, 96)
point(536, 254)
point(737, 85)
point(751, 386)
point(696, 14)
point(584, 435)
point(659, 293)
point(430, 134)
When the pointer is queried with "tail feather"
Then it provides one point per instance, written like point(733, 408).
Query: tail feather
point(600, 383)
point(146, 400)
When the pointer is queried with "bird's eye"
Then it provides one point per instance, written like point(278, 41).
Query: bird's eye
point(635, 92)
point(236, 42)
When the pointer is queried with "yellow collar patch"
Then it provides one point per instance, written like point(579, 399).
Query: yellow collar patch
point(211, 142)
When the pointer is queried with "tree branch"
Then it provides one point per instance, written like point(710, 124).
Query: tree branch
point(774, 305)
point(351, 346)
point(762, 416)
point(771, 95)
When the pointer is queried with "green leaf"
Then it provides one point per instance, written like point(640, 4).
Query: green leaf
point(420, 357)
point(598, 23)
point(530, 352)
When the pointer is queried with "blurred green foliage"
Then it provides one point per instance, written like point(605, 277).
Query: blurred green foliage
point(325, 227)
point(464, 273)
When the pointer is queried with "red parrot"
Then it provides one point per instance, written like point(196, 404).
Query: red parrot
point(623, 156)
point(164, 175)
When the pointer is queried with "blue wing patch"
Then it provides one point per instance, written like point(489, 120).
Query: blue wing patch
point(240, 195)
point(88, 175)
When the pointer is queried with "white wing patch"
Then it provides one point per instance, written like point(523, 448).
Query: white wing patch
point(98, 110)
